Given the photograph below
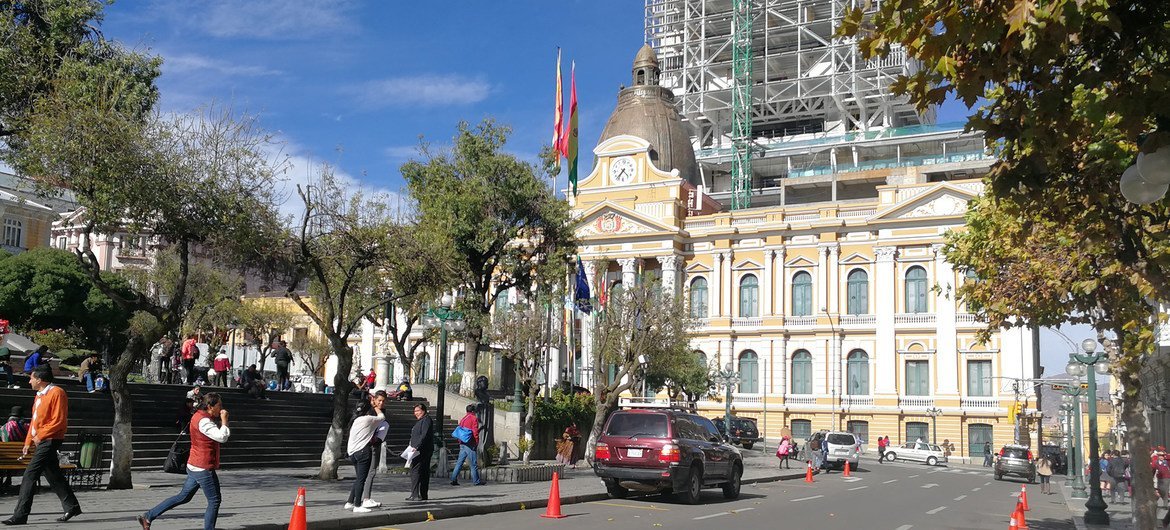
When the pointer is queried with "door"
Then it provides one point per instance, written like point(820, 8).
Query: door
point(717, 453)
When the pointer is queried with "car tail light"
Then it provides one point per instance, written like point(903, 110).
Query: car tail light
point(669, 453)
point(1029, 455)
point(601, 452)
point(1001, 452)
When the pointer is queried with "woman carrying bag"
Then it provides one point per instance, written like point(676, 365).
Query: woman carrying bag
point(784, 451)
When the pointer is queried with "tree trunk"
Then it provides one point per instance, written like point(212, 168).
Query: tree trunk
point(530, 422)
point(334, 452)
point(122, 435)
point(470, 359)
point(1145, 502)
point(604, 408)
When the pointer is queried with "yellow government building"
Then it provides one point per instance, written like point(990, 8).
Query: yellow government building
point(830, 295)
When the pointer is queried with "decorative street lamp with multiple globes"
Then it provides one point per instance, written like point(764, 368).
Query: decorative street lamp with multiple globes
point(445, 319)
point(1079, 365)
point(1148, 180)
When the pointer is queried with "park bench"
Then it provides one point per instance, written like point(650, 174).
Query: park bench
point(11, 463)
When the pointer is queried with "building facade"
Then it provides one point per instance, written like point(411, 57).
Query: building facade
point(26, 216)
point(836, 307)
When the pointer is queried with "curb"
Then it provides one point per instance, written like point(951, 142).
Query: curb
point(443, 512)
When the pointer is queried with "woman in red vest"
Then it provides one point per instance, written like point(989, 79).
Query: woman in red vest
point(206, 437)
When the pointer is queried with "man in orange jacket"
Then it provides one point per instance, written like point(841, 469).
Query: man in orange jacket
point(46, 433)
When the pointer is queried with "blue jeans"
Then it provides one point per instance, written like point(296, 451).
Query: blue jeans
point(466, 452)
point(196, 480)
point(89, 381)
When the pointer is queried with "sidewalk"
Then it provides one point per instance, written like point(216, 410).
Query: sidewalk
point(263, 499)
point(1119, 513)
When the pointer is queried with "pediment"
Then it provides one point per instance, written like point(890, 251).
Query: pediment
point(747, 264)
point(697, 267)
point(800, 261)
point(856, 258)
point(943, 200)
point(609, 219)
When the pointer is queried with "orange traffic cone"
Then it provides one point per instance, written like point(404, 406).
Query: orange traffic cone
point(846, 468)
point(808, 472)
point(554, 499)
point(1021, 522)
point(1024, 497)
point(298, 520)
point(1012, 525)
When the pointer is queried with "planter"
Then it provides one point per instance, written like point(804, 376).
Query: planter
point(516, 473)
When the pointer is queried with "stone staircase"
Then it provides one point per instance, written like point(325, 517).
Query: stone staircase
point(287, 430)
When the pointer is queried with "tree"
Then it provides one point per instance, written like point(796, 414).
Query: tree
point(1069, 90)
point(199, 182)
point(684, 377)
point(522, 334)
point(312, 350)
point(500, 221)
point(639, 327)
point(264, 319)
point(48, 289)
point(43, 39)
point(345, 245)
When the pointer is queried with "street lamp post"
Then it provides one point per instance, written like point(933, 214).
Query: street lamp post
point(1072, 405)
point(728, 378)
point(445, 319)
point(1086, 364)
point(934, 413)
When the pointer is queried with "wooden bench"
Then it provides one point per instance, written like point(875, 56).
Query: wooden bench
point(11, 463)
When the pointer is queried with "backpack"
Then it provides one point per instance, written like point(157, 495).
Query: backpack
point(14, 431)
point(815, 445)
point(461, 433)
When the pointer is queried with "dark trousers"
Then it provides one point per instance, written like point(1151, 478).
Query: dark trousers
point(282, 382)
point(189, 370)
point(361, 469)
point(207, 481)
point(221, 378)
point(44, 463)
point(420, 476)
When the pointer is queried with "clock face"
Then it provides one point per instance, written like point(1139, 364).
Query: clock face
point(622, 170)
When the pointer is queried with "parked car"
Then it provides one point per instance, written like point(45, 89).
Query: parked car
point(665, 450)
point(843, 447)
point(743, 430)
point(1015, 460)
point(1057, 457)
point(930, 454)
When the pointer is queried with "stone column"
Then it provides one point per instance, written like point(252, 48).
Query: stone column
point(947, 350)
point(586, 367)
point(769, 257)
point(728, 283)
point(833, 289)
point(629, 271)
point(669, 273)
point(822, 283)
point(716, 293)
point(782, 368)
point(781, 282)
point(885, 353)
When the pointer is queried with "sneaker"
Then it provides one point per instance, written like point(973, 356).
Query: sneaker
point(370, 503)
point(142, 521)
point(348, 506)
point(454, 482)
point(361, 509)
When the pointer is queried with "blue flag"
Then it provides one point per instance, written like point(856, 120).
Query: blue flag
point(582, 296)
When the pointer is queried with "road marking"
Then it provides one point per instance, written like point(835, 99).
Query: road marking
point(974, 472)
point(931, 485)
point(976, 489)
point(852, 479)
point(960, 497)
point(905, 527)
point(858, 488)
point(933, 472)
point(913, 476)
point(729, 512)
point(936, 510)
point(620, 505)
point(807, 498)
point(986, 483)
point(889, 481)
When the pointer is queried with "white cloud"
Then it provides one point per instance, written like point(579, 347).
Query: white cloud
point(428, 90)
point(302, 169)
point(192, 63)
point(276, 19)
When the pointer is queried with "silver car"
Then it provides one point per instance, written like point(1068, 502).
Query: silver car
point(842, 447)
point(930, 454)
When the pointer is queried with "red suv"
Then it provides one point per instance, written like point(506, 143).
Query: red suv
point(659, 450)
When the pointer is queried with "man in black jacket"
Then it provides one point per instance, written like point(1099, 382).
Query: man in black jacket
point(422, 439)
point(283, 358)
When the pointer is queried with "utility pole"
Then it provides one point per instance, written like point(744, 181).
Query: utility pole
point(1038, 373)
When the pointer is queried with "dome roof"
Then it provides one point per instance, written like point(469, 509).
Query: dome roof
point(648, 111)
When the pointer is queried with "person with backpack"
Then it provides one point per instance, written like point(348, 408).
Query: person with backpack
point(1044, 470)
point(222, 366)
point(881, 450)
point(783, 451)
point(284, 359)
point(16, 428)
point(468, 435)
point(189, 353)
point(1118, 470)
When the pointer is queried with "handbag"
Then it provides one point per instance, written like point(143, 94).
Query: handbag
point(176, 462)
point(461, 433)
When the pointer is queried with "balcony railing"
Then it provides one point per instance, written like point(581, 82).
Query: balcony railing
point(746, 321)
point(800, 399)
point(856, 401)
point(916, 402)
point(858, 319)
point(914, 318)
point(979, 402)
point(800, 321)
point(967, 318)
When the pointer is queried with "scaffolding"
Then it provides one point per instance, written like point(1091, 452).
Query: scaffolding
point(741, 103)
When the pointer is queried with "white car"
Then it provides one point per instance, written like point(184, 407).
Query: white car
point(931, 454)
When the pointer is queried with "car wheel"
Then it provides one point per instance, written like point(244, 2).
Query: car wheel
point(694, 487)
point(890, 457)
point(931, 461)
point(998, 476)
point(615, 491)
point(731, 487)
point(748, 445)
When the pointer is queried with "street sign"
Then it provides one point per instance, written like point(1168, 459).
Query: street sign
point(1061, 386)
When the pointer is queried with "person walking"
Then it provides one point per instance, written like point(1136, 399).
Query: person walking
point(422, 441)
point(284, 359)
point(189, 352)
point(987, 454)
point(203, 460)
point(467, 448)
point(882, 449)
point(165, 345)
point(363, 436)
point(784, 450)
point(222, 366)
point(46, 433)
point(1044, 470)
point(1118, 471)
point(1162, 474)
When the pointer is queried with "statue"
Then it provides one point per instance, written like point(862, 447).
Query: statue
point(485, 413)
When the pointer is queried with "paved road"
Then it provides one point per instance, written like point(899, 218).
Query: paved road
point(897, 496)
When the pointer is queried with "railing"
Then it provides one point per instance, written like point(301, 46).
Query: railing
point(749, 221)
point(796, 399)
point(700, 224)
point(802, 216)
point(701, 322)
point(858, 319)
point(914, 318)
point(736, 397)
point(856, 401)
point(968, 318)
point(979, 402)
point(915, 402)
point(746, 321)
point(800, 320)
point(857, 213)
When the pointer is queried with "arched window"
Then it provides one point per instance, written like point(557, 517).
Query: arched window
point(978, 436)
point(503, 302)
point(916, 290)
point(458, 363)
point(702, 357)
point(801, 372)
point(749, 296)
point(749, 372)
point(859, 428)
point(801, 429)
point(422, 367)
point(699, 298)
point(857, 289)
point(857, 373)
point(802, 294)
point(917, 430)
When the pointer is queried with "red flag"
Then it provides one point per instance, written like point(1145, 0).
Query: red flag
point(570, 137)
point(558, 117)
